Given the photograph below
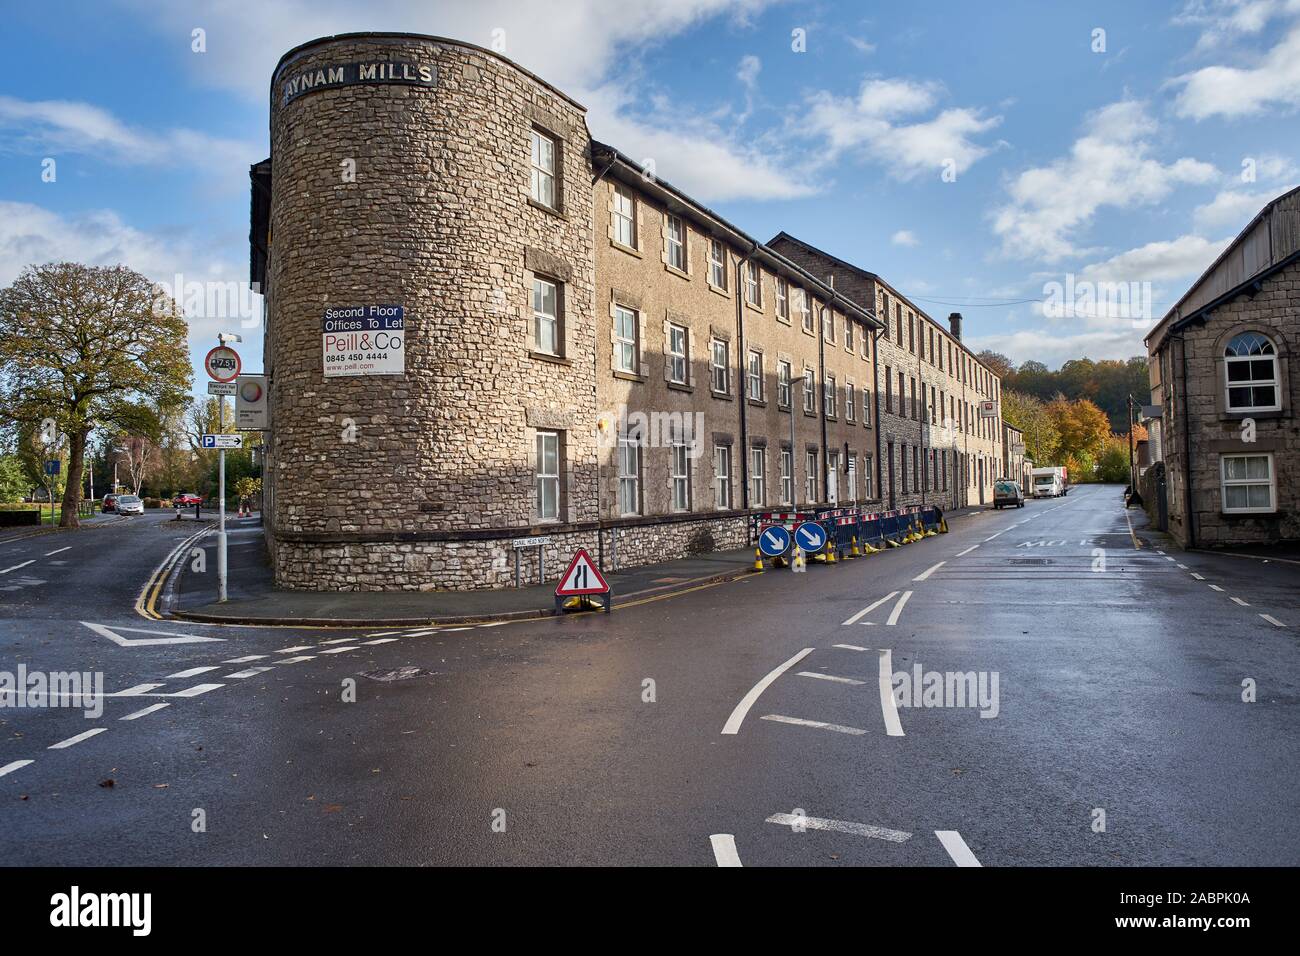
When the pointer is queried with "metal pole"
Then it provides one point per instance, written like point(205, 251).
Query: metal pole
point(221, 503)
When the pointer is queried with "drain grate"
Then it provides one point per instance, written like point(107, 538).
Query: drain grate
point(1034, 561)
point(400, 673)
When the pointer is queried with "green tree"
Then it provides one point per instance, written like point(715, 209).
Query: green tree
point(1084, 428)
point(90, 347)
point(1029, 414)
point(1113, 464)
point(13, 483)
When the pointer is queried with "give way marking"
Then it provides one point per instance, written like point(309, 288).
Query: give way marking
point(167, 637)
point(893, 615)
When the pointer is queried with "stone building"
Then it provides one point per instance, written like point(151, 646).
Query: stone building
point(1224, 438)
point(1014, 463)
point(483, 326)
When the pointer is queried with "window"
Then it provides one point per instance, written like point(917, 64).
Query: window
point(717, 264)
point(810, 460)
point(787, 476)
point(916, 406)
point(548, 476)
point(782, 298)
point(848, 333)
point(828, 325)
point(722, 476)
point(851, 479)
point(753, 293)
point(903, 410)
point(676, 358)
point(833, 477)
point(805, 313)
point(676, 240)
point(783, 384)
point(889, 389)
point(883, 314)
point(755, 378)
point(1248, 484)
point(866, 407)
point(902, 461)
point(867, 463)
point(719, 366)
point(629, 474)
point(898, 317)
point(680, 474)
point(809, 391)
point(542, 165)
point(911, 332)
point(828, 396)
point(850, 403)
point(1250, 364)
point(625, 350)
point(546, 316)
point(757, 477)
point(624, 217)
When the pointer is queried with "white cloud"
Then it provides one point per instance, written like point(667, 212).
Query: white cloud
point(1231, 92)
point(748, 71)
point(904, 237)
point(871, 126)
point(1052, 347)
point(1183, 258)
point(861, 45)
point(1109, 166)
point(1233, 209)
point(1224, 21)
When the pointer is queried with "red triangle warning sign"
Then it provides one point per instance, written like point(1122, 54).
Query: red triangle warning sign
point(582, 577)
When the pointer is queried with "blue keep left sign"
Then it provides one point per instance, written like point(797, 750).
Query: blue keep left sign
point(810, 536)
point(774, 541)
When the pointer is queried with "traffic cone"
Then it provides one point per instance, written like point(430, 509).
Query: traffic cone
point(797, 562)
point(830, 556)
point(758, 560)
point(943, 525)
point(855, 552)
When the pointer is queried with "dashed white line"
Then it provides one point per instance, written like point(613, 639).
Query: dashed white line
point(58, 551)
point(868, 609)
point(195, 690)
point(1197, 576)
point(249, 672)
point(338, 640)
point(144, 713)
point(957, 848)
point(84, 735)
point(898, 609)
point(724, 849)
point(1272, 620)
point(840, 826)
point(991, 537)
point(962, 554)
point(929, 571)
point(294, 650)
point(192, 672)
point(817, 724)
point(245, 660)
point(16, 765)
point(1182, 567)
point(737, 717)
point(830, 677)
point(17, 566)
point(383, 633)
point(382, 640)
point(339, 650)
point(1215, 587)
point(888, 706)
point(850, 647)
point(136, 691)
point(1238, 600)
point(297, 660)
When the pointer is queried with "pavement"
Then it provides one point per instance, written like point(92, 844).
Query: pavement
point(253, 598)
point(1097, 701)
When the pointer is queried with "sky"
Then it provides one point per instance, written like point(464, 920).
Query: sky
point(980, 157)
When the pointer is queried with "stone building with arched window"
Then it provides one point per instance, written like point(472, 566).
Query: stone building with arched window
point(1226, 442)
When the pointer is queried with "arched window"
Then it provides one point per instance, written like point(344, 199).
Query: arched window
point(1250, 366)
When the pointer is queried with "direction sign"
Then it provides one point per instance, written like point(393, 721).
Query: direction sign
point(810, 536)
point(774, 541)
point(222, 364)
point(582, 577)
point(223, 441)
point(52, 467)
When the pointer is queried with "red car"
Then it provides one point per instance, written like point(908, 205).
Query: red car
point(109, 505)
point(187, 498)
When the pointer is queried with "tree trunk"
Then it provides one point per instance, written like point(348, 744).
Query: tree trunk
point(72, 491)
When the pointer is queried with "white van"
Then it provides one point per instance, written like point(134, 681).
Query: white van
point(1049, 482)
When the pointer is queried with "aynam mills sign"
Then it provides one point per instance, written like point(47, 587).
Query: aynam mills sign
point(351, 74)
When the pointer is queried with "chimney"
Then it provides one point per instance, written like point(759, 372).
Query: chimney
point(954, 323)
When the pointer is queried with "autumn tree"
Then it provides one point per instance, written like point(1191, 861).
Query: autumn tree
point(1084, 428)
point(91, 347)
point(1030, 415)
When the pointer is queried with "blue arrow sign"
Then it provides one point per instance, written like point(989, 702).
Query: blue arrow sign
point(810, 536)
point(774, 541)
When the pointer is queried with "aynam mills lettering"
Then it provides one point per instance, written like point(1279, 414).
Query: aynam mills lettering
point(471, 304)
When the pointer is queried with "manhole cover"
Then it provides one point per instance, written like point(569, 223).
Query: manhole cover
point(1030, 561)
point(400, 673)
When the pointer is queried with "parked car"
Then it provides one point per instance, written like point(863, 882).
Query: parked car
point(109, 505)
point(129, 505)
point(1006, 491)
point(187, 498)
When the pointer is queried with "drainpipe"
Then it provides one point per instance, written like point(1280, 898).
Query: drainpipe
point(1187, 449)
point(821, 372)
point(742, 382)
point(875, 378)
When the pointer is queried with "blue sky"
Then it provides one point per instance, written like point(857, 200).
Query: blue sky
point(1134, 162)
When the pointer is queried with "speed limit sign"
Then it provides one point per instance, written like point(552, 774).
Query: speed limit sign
point(222, 364)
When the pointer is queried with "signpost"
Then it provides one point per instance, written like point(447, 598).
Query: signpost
point(222, 365)
point(221, 388)
point(222, 441)
point(810, 536)
point(582, 579)
point(521, 544)
point(774, 541)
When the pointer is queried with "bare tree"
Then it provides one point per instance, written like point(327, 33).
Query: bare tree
point(141, 456)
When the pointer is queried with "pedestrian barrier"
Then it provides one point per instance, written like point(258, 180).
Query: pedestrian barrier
point(849, 533)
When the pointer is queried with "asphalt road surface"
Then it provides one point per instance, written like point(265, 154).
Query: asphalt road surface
point(1100, 719)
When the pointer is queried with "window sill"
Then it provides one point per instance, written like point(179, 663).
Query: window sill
point(628, 249)
point(809, 332)
point(754, 308)
point(757, 402)
point(549, 210)
point(783, 319)
point(629, 376)
point(668, 267)
point(723, 396)
point(548, 357)
point(719, 290)
point(680, 387)
point(1237, 414)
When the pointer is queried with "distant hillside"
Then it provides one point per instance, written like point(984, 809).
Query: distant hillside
point(1107, 384)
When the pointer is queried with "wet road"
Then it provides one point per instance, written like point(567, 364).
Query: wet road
point(1080, 703)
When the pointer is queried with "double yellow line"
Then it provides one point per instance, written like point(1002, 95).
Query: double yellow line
point(146, 605)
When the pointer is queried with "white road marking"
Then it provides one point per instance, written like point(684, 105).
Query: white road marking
point(957, 848)
point(888, 706)
point(17, 566)
point(1182, 567)
point(250, 672)
point(339, 650)
point(192, 672)
point(724, 849)
point(245, 660)
point(1241, 602)
point(297, 660)
point(1215, 587)
point(1160, 553)
point(464, 628)
point(851, 647)
point(962, 554)
point(1272, 620)
point(338, 640)
point(868, 609)
point(737, 717)
point(1170, 557)
point(840, 826)
point(1197, 576)
point(382, 640)
point(194, 691)
point(898, 609)
point(383, 633)
point(16, 765)
point(136, 691)
point(830, 677)
point(58, 551)
point(292, 650)
point(421, 632)
point(84, 735)
point(144, 713)
point(929, 571)
point(818, 724)
point(169, 637)
point(991, 537)
point(499, 623)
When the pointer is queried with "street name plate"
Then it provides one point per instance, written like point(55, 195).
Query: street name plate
point(529, 542)
point(221, 388)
